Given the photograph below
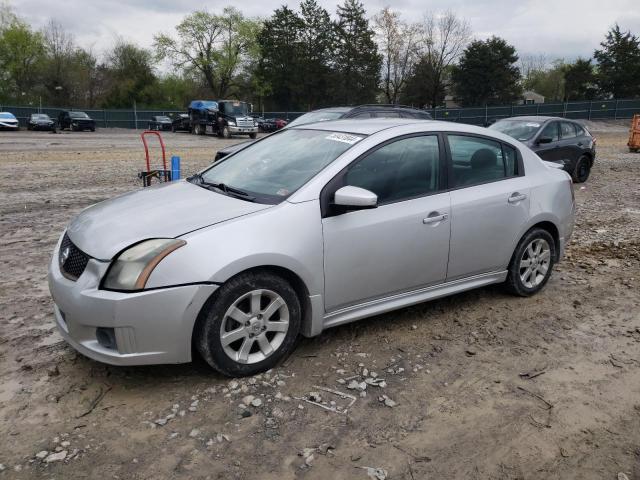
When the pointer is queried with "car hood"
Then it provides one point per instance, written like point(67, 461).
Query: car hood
point(163, 211)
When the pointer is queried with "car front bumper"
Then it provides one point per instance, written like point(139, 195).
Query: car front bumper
point(239, 130)
point(150, 327)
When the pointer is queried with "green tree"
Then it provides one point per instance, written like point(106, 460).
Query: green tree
point(579, 80)
point(619, 64)
point(487, 74)
point(131, 76)
point(21, 54)
point(280, 61)
point(549, 82)
point(317, 50)
point(357, 63)
point(213, 46)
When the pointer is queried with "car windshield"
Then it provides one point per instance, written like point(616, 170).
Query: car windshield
point(234, 109)
point(277, 166)
point(78, 115)
point(7, 115)
point(40, 116)
point(163, 119)
point(521, 130)
point(311, 117)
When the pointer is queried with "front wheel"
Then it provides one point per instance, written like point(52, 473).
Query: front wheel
point(582, 169)
point(226, 133)
point(253, 136)
point(532, 263)
point(250, 324)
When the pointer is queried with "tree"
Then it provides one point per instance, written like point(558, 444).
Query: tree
point(131, 76)
point(579, 80)
point(317, 50)
point(215, 46)
point(281, 55)
point(487, 74)
point(398, 41)
point(58, 69)
point(358, 62)
point(444, 38)
point(547, 81)
point(619, 64)
point(21, 53)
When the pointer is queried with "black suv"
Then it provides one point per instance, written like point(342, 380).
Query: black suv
point(76, 121)
point(335, 113)
point(554, 139)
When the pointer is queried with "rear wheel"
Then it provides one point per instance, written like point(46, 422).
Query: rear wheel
point(532, 263)
point(582, 169)
point(250, 324)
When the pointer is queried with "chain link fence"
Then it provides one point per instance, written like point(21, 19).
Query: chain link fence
point(585, 110)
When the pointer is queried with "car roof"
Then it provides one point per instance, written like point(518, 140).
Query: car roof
point(375, 125)
point(534, 118)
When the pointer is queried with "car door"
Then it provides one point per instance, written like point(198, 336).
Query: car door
point(401, 245)
point(549, 151)
point(568, 149)
point(489, 204)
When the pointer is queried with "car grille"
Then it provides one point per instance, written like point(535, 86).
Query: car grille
point(244, 123)
point(71, 259)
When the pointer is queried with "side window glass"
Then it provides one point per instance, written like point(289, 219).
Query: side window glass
point(362, 115)
point(567, 130)
point(400, 170)
point(387, 114)
point(579, 130)
point(551, 131)
point(475, 160)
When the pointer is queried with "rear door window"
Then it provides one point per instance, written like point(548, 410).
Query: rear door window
point(567, 130)
point(476, 160)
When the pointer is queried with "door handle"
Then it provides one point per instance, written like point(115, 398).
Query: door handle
point(435, 218)
point(517, 197)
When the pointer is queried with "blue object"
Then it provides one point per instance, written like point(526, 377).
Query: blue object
point(203, 105)
point(175, 168)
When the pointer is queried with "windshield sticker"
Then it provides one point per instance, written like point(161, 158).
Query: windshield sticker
point(344, 138)
point(283, 192)
point(533, 125)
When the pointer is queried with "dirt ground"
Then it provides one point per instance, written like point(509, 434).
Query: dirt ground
point(480, 385)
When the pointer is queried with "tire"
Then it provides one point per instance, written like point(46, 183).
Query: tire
point(518, 283)
point(244, 353)
point(253, 136)
point(226, 133)
point(582, 169)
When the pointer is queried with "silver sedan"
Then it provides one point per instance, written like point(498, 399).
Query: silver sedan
point(306, 229)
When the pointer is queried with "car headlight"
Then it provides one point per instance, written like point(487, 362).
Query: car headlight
point(132, 268)
point(231, 123)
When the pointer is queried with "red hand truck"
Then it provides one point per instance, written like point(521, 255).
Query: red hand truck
point(160, 174)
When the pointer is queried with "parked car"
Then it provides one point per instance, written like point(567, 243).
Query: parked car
point(555, 139)
point(76, 121)
point(41, 121)
point(160, 122)
point(181, 123)
point(8, 121)
point(360, 112)
point(378, 226)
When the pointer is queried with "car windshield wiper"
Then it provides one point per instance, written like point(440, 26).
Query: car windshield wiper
point(226, 189)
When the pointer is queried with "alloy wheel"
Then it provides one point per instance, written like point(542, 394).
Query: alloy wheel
point(254, 326)
point(535, 263)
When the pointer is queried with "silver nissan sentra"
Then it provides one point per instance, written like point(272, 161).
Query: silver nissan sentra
point(306, 229)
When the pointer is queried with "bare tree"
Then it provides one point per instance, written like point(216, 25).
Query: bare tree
point(529, 65)
point(445, 37)
point(399, 43)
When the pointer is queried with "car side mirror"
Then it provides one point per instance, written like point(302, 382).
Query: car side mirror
point(355, 198)
point(545, 140)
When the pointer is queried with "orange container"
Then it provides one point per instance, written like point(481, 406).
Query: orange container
point(634, 134)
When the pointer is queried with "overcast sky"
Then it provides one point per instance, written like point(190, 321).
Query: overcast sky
point(557, 28)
